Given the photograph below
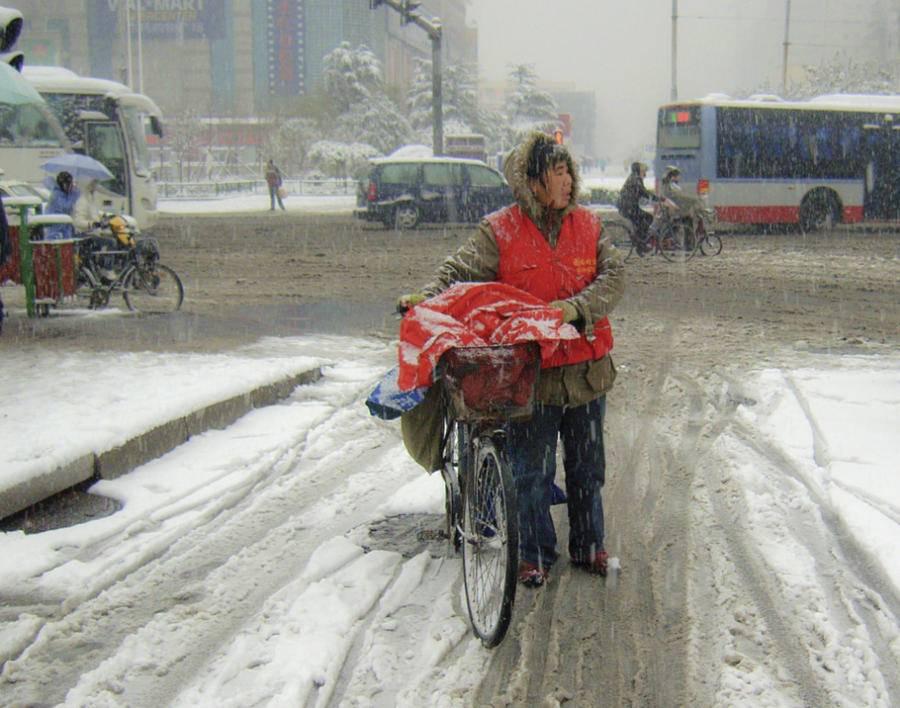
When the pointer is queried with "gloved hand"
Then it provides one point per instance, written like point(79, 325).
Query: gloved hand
point(570, 312)
point(404, 302)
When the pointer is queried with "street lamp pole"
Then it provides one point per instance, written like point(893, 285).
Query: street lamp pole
point(128, 42)
point(140, 51)
point(787, 35)
point(674, 61)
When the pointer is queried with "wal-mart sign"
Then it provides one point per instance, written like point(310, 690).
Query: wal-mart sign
point(162, 19)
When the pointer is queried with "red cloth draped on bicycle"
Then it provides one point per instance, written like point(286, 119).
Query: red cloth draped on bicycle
point(474, 314)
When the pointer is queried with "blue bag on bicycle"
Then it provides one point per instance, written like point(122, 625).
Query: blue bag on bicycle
point(387, 401)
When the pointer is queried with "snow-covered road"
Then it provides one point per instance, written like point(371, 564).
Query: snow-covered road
point(278, 562)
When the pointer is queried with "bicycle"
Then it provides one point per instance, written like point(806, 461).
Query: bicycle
point(622, 233)
point(111, 258)
point(482, 388)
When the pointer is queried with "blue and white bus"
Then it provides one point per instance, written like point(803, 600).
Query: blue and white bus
point(767, 161)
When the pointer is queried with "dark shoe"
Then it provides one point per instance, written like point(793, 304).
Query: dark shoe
point(532, 576)
point(598, 563)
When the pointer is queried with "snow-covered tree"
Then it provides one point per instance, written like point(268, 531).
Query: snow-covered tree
point(839, 75)
point(363, 112)
point(340, 159)
point(844, 75)
point(377, 121)
point(459, 94)
point(351, 75)
point(290, 143)
point(183, 138)
point(527, 107)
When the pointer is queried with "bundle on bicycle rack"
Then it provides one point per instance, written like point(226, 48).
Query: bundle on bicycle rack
point(491, 381)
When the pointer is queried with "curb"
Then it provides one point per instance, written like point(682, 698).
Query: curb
point(147, 446)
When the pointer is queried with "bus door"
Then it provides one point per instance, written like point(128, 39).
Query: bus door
point(103, 141)
point(882, 200)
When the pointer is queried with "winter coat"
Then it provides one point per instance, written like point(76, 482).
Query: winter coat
point(61, 203)
point(479, 260)
point(85, 213)
point(273, 176)
point(688, 205)
point(632, 192)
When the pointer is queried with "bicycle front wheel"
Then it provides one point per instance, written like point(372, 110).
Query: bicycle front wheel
point(620, 237)
point(711, 245)
point(153, 291)
point(490, 543)
point(679, 244)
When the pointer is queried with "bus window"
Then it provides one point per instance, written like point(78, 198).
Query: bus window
point(104, 144)
point(679, 127)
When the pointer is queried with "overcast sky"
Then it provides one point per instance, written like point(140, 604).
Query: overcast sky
point(622, 50)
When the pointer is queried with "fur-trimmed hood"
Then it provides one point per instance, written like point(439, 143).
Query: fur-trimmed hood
point(514, 169)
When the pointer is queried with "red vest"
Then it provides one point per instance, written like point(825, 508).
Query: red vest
point(528, 262)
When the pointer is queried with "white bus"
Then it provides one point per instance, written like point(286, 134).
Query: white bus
point(768, 161)
point(29, 133)
point(106, 120)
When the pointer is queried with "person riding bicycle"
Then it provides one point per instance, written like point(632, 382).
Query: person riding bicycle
point(629, 205)
point(551, 247)
point(689, 207)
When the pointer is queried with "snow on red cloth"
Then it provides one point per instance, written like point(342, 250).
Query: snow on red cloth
point(475, 315)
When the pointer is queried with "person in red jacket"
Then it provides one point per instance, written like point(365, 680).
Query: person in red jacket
point(551, 247)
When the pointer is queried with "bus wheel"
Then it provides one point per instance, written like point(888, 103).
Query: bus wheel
point(820, 210)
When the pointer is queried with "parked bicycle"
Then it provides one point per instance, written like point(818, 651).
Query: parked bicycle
point(482, 388)
point(112, 258)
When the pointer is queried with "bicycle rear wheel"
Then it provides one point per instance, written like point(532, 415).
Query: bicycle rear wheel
point(490, 543)
point(678, 244)
point(156, 290)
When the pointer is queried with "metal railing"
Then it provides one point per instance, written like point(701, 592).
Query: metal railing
point(223, 188)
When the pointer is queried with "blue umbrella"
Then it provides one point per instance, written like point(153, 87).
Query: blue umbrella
point(78, 165)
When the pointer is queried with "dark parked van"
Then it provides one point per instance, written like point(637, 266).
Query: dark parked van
point(403, 192)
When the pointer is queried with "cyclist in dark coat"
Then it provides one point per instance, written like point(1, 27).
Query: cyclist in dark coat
point(629, 204)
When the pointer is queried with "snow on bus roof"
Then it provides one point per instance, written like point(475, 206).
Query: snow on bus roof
point(838, 101)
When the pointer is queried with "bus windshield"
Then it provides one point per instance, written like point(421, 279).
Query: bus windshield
point(679, 127)
point(136, 129)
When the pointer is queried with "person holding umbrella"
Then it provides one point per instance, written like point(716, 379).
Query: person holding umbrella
point(63, 197)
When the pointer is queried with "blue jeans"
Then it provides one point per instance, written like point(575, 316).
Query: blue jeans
point(532, 454)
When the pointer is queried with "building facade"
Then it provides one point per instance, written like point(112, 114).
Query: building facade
point(230, 57)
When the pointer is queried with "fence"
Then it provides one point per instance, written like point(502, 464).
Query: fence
point(216, 189)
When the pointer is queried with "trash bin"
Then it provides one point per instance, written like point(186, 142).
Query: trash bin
point(53, 262)
point(9, 271)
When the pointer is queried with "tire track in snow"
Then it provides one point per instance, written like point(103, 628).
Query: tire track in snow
point(260, 538)
point(802, 642)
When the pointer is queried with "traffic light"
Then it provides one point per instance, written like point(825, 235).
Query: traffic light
point(409, 11)
point(10, 29)
point(558, 136)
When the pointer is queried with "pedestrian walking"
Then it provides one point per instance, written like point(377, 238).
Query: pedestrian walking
point(274, 180)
